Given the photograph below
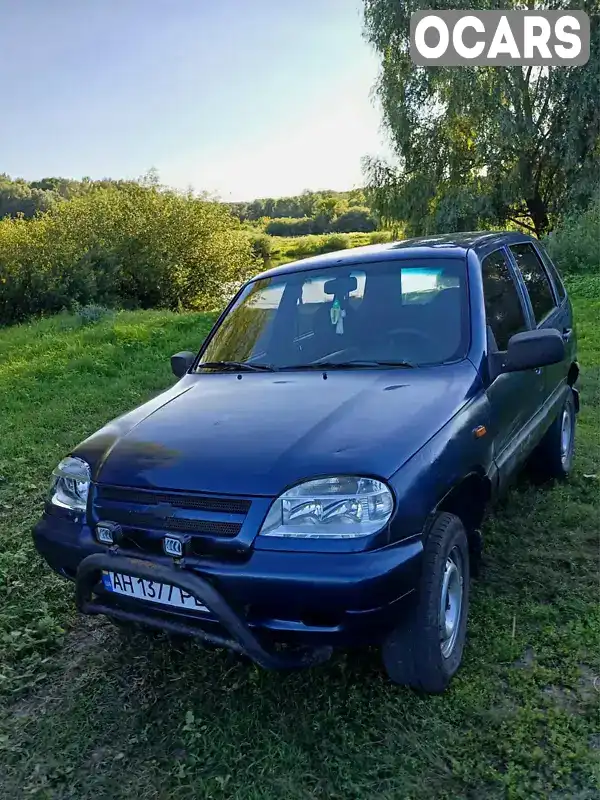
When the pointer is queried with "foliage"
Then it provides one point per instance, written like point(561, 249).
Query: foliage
point(337, 241)
point(19, 197)
point(357, 218)
point(575, 245)
point(92, 314)
point(309, 213)
point(482, 146)
point(290, 226)
point(262, 247)
point(307, 204)
point(135, 245)
point(90, 714)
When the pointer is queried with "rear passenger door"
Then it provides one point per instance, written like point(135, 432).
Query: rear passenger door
point(544, 308)
point(514, 397)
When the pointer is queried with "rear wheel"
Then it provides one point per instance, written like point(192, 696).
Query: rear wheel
point(426, 651)
point(553, 457)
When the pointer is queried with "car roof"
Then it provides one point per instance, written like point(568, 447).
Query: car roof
point(447, 245)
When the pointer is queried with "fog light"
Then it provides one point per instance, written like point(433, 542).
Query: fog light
point(105, 534)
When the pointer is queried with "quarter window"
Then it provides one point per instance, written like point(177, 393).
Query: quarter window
point(503, 308)
point(536, 280)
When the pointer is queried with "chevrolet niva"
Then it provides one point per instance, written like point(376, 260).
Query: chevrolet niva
point(318, 475)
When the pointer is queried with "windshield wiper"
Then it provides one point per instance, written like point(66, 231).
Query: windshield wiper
point(240, 366)
point(354, 364)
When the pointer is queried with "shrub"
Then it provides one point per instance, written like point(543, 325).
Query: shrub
point(575, 244)
point(290, 226)
point(380, 237)
point(356, 220)
point(262, 247)
point(307, 246)
point(337, 241)
point(91, 314)
point(136, 246)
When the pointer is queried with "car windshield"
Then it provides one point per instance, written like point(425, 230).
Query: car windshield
point(405, 313)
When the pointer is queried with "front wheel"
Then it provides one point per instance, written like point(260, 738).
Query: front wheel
point(426, 651)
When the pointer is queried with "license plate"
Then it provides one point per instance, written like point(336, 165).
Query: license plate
point(150, 591)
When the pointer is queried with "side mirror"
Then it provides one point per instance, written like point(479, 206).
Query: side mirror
point(533, 349)
point(181, 362)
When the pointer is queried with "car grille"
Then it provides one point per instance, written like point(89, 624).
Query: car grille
point(224, 505)
point(145, 515)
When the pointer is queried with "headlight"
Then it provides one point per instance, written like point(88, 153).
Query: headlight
point(71, 483)
point(330, 508)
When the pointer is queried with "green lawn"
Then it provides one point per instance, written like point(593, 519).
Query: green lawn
point(88, 714)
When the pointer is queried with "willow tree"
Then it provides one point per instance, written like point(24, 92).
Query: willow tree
point(482, 146)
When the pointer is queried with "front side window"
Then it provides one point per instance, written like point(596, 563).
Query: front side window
point(535, 278)
point(391, 311)
point(503, 309)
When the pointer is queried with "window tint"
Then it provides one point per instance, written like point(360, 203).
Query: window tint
point(503, 307)
point(536, 280)
point(553, 272)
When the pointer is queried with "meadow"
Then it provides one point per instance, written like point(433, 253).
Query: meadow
point(86, 712)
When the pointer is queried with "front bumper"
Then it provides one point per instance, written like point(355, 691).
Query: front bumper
point(304, 599)
point(239, 637)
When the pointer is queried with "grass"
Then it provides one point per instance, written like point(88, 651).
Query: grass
point(88, 714)
point(288, 248)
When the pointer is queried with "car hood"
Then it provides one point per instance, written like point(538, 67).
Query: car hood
point(257, 434)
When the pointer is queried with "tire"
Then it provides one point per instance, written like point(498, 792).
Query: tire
point(553, 457)
point(422, 653)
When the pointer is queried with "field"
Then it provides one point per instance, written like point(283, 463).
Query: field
point(288, 248)
point(87, 713)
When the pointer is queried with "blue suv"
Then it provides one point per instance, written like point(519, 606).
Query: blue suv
point(318, 475)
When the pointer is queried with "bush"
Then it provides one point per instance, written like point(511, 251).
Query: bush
point(307, 246)
point(337, 241)
point(380, 237)
point(91, 314)
point(262, 247)
point(290, 226)
point(356, 220)
point(575, 244)
point(135, 246)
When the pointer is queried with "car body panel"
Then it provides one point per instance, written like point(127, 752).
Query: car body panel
point(266, 432)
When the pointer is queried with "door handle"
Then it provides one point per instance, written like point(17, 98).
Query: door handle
point(566, 334)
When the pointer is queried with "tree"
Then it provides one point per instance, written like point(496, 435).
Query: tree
point(357, 219)
point(482, 146)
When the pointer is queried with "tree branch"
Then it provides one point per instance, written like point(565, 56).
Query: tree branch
point(521, 223)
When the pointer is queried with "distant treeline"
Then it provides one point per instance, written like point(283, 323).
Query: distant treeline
point(309, 213)
point(19, 197)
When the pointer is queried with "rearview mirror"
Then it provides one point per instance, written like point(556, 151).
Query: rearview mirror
point(181, 362)
point(533, 349)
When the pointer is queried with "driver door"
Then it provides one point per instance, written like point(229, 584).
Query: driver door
point(514, 397)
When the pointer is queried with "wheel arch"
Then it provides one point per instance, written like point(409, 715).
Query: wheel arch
point(468, 499)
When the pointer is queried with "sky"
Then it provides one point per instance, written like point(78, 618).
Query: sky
point(240, 98)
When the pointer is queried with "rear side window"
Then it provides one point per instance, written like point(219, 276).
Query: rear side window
point(553, 272)
point(503, 308)
point(536, 280)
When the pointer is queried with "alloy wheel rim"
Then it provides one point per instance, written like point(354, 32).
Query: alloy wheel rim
point(566, 436)
point(451, 602)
